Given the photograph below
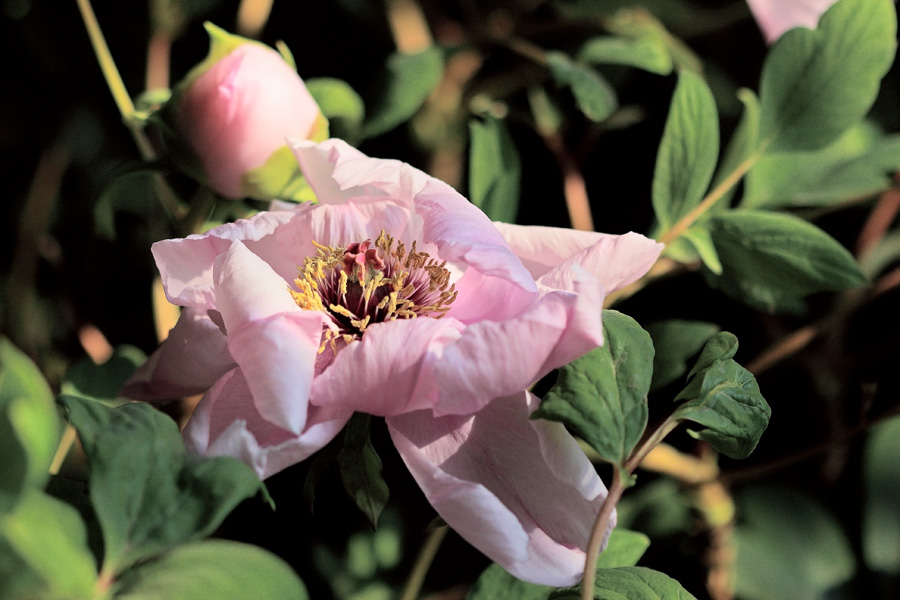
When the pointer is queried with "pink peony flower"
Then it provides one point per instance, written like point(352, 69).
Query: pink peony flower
point(775, 17)
point(408, 304)
point(237, 109)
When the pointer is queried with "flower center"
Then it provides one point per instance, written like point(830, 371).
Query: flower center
point(360, 284)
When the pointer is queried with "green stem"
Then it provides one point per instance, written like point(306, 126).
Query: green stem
point(616, 488)
point(651, 442)
point(104, 57)
point(124, 103)
point(423, 563)
point(712, 198)
point(598, 533)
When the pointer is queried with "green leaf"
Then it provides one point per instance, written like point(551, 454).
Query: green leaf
point(676, 341)
point(881, 490)
point(49, 537)
point(495, 583)
point(628, 583)
point(340, 104)
point(130, 192)
point(279, 177)
point(29, 426)
point(213, 569)
point(595, 97)
point(494, 170)
point(701, 241)
point(624, 549)
point(721, 346)
point(857, 164)
point(743, 144)
point(17, 580)
point(688, 150)
point(767, 257)
point(149, 495)
point(817, 83)
point(405, 85)
point(660, 508)
point(724, 398)
point(788, 546)
point(602, 395)
point(641, 21)
point(647, 52)
point(361, 469)
point(103, 382)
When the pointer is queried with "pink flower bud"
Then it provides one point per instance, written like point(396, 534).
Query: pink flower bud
point(237, 108)
point(777, 16)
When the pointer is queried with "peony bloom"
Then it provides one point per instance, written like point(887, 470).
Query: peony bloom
point(235, 111)
point(408, 304)
point(775, 17)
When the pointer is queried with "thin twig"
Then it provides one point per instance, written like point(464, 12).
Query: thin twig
point(880, 219)
point(423, 563)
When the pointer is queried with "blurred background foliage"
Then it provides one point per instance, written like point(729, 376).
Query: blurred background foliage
point(525, 87)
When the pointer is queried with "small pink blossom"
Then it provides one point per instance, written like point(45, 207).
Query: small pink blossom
point(441, 325)
point(237, 108)
point(775, 17)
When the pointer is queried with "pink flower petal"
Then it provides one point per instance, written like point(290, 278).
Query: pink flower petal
point(338, 225)
point(272, 339)
point(494, 359)
point(226, 423)
point(389, 371)
point(615, 260)
point(775, 17)
point(464, 235)
point(191, 359)
point(339, 173)
point(520, 491)
point(186, 264)
point(549, 253)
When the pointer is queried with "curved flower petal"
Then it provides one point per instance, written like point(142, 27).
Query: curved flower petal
point(615, 260)
point(337, 225)
point(191, 359)
point(549, 253)
point(520, 491)
point(339, 173)
point(389, 371)
point(463, 234)
point(186, 264)
point(493, 359)
point(226, 423)
point(272, 339)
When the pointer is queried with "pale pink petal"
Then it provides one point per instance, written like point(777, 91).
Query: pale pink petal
point(494, 359)
point(520, 491)
point(549, 252)
point(339, 173)
point(775, 17)
point(390, 370)
point(272, 339)
point(481, 297)
point(186, 264)
point(614, 260)
point(226, 423)
point(191, 359)
point(464, 235)
point(338, 225)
